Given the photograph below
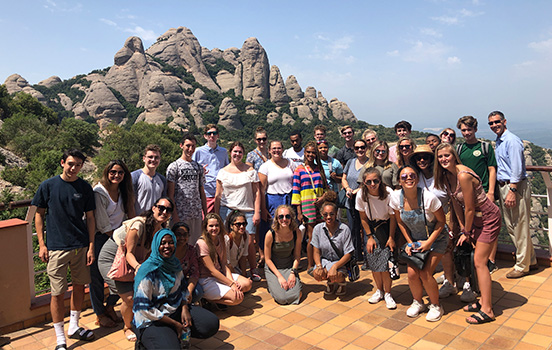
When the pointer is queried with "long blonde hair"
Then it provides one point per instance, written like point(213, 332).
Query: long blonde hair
point(207, 237)
point(372, 159)
point(439, 172)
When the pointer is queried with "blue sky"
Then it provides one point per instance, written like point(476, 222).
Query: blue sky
point(429, 62)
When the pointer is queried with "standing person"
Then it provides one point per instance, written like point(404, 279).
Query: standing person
point(370, 136)
point(347, 151)
point(379, 223)
point(259, 155)
point(296, 152)
point(276, 177)
point(421, 219)
point(405, 147)
point(309, 182)
point(213, 158)
point(282, 256)
point(479, 220)
point(147, 183)
point(185, 180)
point(219, 284)
point(515, 194)
point(189, 260)
point(330, 266)
point(70, 241)
point(238, 188)
point(114, 199)
point(135, 235)
point(448, 136)
point(379, 158)
point(349, 182)
point(320, 134)
point(432, 141)
point(162, 311)
point(480, 157)
point(332, 167)
point(402, 129)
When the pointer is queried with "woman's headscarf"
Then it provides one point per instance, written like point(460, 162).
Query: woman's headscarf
point(167, 267)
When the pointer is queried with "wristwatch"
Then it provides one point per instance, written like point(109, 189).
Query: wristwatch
point(513, 189)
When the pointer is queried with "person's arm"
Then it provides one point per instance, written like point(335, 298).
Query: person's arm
point(292, 279)
point(296, 193)
point(269, 239)
point(170, 194)
point(515, 153)
point(100, 214)
point(203, 200)
point(262, 189)
point(131, 244)
point(91, 226)
point(492, 183)
point(439, 226)
point(332, 273)
point(218, 194)
point(257, 202)
point(222, 278)
point(39, 225)
point(370, 242)
point(392, 226)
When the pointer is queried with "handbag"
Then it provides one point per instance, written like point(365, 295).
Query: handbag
point(120, 269)
point(353, 271)
point(342, 198)
point(416, 259)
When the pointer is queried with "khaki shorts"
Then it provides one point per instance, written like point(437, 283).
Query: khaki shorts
point(58, 262)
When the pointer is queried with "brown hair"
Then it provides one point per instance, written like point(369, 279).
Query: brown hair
point(207, 238)
point(125, 187)
point(382, 190)
point(399, 155)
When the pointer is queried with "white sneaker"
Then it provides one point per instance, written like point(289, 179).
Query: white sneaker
point(434, 314)
point(376, 297)
point(468, 295)
point(389, 302)
point(415, 309)
point(440, 279)
point(446, 290)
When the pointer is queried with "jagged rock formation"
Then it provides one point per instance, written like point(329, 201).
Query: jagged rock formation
point(159, 80)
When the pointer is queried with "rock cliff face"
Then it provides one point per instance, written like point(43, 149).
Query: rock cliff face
point(159, 80)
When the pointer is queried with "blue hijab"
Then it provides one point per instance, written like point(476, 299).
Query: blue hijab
point(167, 267)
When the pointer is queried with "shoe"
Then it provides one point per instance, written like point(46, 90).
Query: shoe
point(389, 302)
point(415, 309)
point(534, 267)
point(129, 334)
point(440, 279)
point(376, 297)
point(516, 274)
point(480, 317)
point(341, 289)
point(492, 267)
point(435, 313)
point(58, 347)
point(82, 334)
point(364, 266)
point(330, 287)
point(446, 290)
point(255, 278)
point(468, 295)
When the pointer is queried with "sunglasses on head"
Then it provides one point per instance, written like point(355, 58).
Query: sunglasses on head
point(116, 172)
point(284, 216)
point(372, 182)
point(495, 122)
point(409, 176)
point(240, 224)
point(211, 133)
point(163, 208)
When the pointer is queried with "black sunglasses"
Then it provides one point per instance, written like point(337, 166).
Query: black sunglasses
point(360, 148)
point(495, 122)
point(243, 223)
point(163, 208)
point(211, 133)
point(370, 182)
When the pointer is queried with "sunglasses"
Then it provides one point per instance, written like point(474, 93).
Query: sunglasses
point(163, 208)
point(116, 172)
point(409, 176)
point(241, 224)
point(405, 146)
point(360, 148)
point(211, 133)
point(380, 151)
point(321, 141)
point(495, 122)
point(282, 217)
point(347, 133)
point(261, 139)
point(426, 157)
point(451, 134)
point(373, 139)
point(372, 182)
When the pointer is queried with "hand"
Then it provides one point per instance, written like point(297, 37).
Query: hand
point(189, 298)
point(186, 317)
point(332, 274)
point(408, 250)
point(90, 257)
point(291, 280)
point(490, 196)
point(461, 240)
point(300, 218)
point(320, 274)
point(391, 244)
point(333, 175)
point(205, 170)
point(43, 254)
point(238, 285)
point(239, 293)
point(425, 246)
point(349, 193)
point(283, 283)
point(510, 200)
point(256, 220)
point(179, 327)
point(370, 245)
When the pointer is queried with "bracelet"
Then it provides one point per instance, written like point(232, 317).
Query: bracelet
point(231, 284)
point(369, 235)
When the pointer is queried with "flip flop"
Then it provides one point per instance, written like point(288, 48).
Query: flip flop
point(480, 318)
point(471, 308)
point(83, 334)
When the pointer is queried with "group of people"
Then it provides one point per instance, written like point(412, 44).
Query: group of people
point(226, 211)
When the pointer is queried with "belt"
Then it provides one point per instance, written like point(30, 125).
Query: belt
point(503, 183)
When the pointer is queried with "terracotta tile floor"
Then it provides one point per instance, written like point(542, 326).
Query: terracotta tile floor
point(523, 308)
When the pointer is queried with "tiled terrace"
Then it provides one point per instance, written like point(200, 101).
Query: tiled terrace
point(523, 308)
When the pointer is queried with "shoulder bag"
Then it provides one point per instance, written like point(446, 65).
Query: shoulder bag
point(352, 267)
point(416, 259)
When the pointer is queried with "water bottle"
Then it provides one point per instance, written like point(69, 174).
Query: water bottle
point(416, 245)
point(185, 338)
point(393, 268)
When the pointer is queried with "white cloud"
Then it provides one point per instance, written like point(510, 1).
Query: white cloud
point(446, 20)
point(430, 32)
point(524, 64)
point(453, 60)
point(62, 6)
point(544, 46)
point(424, 52)
point(457, 17)
point(394, 53)
point(334, 49)
point(468, 13)
point(144, 34)
point(108, 22)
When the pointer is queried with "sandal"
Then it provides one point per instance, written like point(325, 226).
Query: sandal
point(472, 308)
point(83, 334)
point(480, 318)
point(131, 336)
point(105, 321)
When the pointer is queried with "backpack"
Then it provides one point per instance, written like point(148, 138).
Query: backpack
point(484, 149)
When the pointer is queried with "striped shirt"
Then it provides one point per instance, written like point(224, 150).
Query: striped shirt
point(304, 194)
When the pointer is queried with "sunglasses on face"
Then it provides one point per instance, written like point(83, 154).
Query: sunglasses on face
point(241, 224)
point(360, 148)
point(370, 140)
point(495, 122)
point(211, 133)
point(451, 134)
point(116, 172)
point(372, 182)
point(163, 208)
point(284, 216)
point(380, 151)
point(405, 146)
point(425, 157)
point(261, 139)
point(347, 133)
point(409, 176)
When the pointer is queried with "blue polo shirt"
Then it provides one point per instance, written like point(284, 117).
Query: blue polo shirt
point(214, 159)
point(509, 158)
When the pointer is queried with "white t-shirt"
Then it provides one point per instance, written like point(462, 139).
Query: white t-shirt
point(431, 203)
point(295, 157)
point(380, 208)
point(237, 189)
point(279, 180)
point(430, 185)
